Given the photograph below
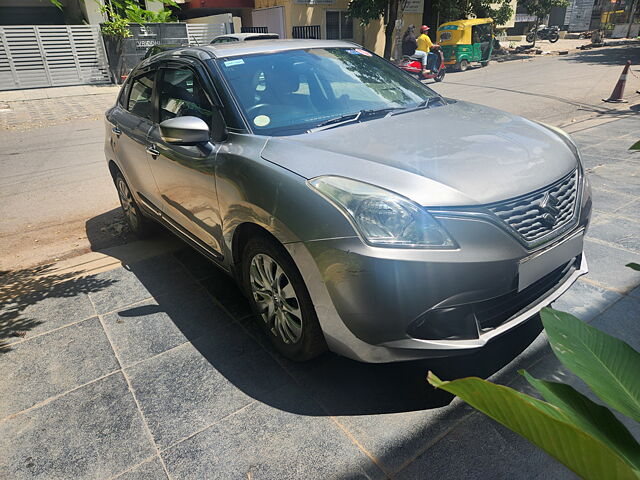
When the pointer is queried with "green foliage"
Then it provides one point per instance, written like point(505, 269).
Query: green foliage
point(450, 10)
point(585, 436)
point(366, 11)
point(135, 14)
point(635, 146)
point(540, 8)
point(56, 3)
point(116, 27)
point(633, 266)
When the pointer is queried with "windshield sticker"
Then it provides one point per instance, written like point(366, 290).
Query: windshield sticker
point(261, 121)
point(363, 52)
point(231, 63)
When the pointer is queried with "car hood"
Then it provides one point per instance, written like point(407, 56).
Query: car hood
point(452, 155)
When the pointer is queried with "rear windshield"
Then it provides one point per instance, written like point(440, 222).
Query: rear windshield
point(290, 92)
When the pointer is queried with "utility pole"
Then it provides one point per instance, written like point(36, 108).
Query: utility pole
point(632, 13)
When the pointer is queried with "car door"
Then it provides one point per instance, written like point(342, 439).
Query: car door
point(185, 175)
point(131, 122)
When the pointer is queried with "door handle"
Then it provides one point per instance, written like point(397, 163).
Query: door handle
point(117, 131)
point(153, 151)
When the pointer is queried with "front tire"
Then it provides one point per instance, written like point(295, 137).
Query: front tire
point(463, 65)
point(280, 300)
point(136, 221)
point(440, 76)
point(530, 37)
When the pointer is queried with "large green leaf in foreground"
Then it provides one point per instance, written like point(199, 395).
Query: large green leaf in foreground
point(543, 424)
point(594, 419)
point(608, 365)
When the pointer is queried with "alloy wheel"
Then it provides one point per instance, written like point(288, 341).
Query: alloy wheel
point(128, 205)
point(276, 298)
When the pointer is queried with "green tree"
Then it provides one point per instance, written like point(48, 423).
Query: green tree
point(368, 10)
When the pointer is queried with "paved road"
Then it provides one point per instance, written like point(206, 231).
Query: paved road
point(58, 200)
point(551, 89)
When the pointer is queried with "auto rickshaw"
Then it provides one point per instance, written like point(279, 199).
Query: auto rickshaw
point(466, 41)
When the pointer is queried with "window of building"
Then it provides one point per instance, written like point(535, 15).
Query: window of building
point(339, 25)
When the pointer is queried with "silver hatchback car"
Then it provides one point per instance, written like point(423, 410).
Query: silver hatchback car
point(358, 210)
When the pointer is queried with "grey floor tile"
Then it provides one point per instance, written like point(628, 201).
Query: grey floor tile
point(607, 266)
point(227, 292)
point(150, 470)
point(585, 300)
point(622, 321)
point(31, 306)
point(139, 281)
point(93, 432)
point(198, 383)
point(53, 363)
point(606, 201)
point(623, 177)
point(480, 448)
point(150, 328)
point(618, 231)
point(631, 210)
point(197, 264)
point(268, 441)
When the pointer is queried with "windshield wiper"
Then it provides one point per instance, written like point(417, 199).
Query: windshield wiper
point(424, 104)
point(350, 118)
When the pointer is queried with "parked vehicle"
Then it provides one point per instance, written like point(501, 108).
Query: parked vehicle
point(243, 37)
point(544, 33)
point(466, 41)
point(357, 209)
point(413, 66)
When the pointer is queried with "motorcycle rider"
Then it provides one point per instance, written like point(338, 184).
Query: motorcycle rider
point(410, 48)
point(425, 44)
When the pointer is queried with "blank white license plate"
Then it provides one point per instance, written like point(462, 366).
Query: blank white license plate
point(535, 267)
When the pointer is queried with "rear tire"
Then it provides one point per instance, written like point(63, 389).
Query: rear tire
point(485, 63)
point(139, 225)
point(554, 37)
point(463, 65)
point(280, 300)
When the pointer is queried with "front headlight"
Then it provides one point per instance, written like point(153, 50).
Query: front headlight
point(383, 218)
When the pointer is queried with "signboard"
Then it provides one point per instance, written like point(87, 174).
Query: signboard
point(413, 6)
point(525, 17)
point(578, 15)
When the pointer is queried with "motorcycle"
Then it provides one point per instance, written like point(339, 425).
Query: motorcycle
point(413, 66)
point(544, 33)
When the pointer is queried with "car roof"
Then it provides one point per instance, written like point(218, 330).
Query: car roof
point(242, 36)
point(234, 49)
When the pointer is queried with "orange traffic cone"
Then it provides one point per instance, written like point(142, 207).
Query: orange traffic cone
point(618, 91)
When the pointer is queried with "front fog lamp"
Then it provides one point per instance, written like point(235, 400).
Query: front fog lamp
point(383, 218)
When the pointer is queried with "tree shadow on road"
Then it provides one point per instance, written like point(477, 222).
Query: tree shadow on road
point(607, 56)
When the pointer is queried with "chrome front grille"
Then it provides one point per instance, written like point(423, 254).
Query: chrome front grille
point(537, 215)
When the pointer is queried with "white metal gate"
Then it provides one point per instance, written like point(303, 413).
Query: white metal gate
point(51, 56)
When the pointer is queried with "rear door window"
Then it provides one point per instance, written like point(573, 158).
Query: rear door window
point(141, 97)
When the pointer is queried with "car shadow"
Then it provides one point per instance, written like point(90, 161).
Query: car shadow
point(606, 56)
point(342, 386)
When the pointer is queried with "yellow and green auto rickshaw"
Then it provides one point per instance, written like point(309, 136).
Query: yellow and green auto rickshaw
point(466, 41)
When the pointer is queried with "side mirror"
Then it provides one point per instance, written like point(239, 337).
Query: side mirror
point(184, 131)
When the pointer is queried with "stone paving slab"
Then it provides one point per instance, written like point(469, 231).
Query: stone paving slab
point(158, 370)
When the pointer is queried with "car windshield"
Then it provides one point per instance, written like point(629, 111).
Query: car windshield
point(292, 92)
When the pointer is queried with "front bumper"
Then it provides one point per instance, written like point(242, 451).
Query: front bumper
point(385, 305)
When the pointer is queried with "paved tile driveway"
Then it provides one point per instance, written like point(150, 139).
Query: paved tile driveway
point(157, 370)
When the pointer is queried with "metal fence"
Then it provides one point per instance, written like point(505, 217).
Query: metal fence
point(51, 56)
point(203, 33)
point(254, 29)
point(306, 31)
